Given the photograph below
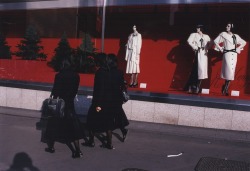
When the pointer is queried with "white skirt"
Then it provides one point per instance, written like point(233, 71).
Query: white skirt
point(132, 67)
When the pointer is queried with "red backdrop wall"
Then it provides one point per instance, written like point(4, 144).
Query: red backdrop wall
point(165, 66)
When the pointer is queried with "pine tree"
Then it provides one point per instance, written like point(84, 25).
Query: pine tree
point(29, 48)
point(85, 55)
point(62, 51)
point(87, 44)
point(5, 52)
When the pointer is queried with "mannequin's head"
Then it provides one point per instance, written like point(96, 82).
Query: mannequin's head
point(199, 28)
point(230, 27)
point(134, 28)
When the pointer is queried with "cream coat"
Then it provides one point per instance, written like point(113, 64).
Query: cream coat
point(225, 42)
point(133, 51)
point(201, 48)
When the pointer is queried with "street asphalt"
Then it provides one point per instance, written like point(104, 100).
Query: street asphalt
point(149, 147)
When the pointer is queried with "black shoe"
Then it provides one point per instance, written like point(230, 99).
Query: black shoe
point(108, 146)
point(124, 134)
point(89, 144)
point(131, 85)
point(50, 150)
point(77, 155)
point(135, 85)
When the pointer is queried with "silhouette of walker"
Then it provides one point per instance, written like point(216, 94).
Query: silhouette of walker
point(22, 162)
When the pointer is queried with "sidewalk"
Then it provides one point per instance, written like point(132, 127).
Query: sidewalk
point(147, 147)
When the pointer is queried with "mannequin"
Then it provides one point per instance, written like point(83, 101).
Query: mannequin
point(133, 50)
point(230, 45)
point(200, 43)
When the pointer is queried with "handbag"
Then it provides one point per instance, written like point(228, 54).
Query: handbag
point(55, 107)
point(125, 96)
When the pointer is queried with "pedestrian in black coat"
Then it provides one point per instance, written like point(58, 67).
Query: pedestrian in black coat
point(67, 129)
point(106, 112)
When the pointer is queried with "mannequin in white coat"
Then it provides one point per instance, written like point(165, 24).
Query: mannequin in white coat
point(133, 50)
point(200, 43)
point(230, 45)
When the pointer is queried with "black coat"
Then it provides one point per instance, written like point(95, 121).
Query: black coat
point(65, 129)
point(65, 86)
point(107, 95)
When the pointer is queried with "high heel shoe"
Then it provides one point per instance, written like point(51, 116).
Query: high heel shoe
point(124, 134)
point(131, 85)
point(110, 147)
point(90, 143)
point(135, 85)
point(77, 154)
point(50, 149)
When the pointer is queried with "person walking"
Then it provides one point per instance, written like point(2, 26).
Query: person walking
point(106, 113)
point(66, 129)
point(230, 44)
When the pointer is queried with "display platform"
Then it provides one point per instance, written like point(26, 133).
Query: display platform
point(173, 97)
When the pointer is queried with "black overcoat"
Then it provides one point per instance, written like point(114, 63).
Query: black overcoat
point(65, 129)
point(107, 95)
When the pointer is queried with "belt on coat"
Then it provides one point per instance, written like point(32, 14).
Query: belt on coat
point(231, 50)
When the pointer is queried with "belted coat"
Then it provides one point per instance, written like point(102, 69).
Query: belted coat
point(230, 45)
point(133, 51)
point(200, 43)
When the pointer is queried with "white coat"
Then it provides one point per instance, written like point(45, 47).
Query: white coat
point(133, 51)
point(225, 42)
point(200, 43)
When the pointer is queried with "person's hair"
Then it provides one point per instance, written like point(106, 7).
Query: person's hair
point(201, 27)
point(101, 60)
point(65, 64)
point(111, 60)
point(232, 26)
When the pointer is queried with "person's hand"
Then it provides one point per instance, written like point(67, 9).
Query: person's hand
point(98, 108)
point(238, 50)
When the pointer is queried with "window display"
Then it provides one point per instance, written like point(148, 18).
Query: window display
point(164, 61)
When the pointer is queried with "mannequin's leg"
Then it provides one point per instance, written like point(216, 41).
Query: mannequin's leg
point(198, 86)
point(227, 83)
point(135, 79)
point(131, 80)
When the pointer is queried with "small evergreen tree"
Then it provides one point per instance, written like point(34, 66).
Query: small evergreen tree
point(5, 52)
point(62, 51)
point(29, 47)
point(85, 55)
point(87, 44)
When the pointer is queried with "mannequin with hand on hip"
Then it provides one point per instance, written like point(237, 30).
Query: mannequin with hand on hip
point(230, 45)
point(133, 50)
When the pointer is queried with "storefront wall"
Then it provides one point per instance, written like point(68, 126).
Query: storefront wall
point(166, 58)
